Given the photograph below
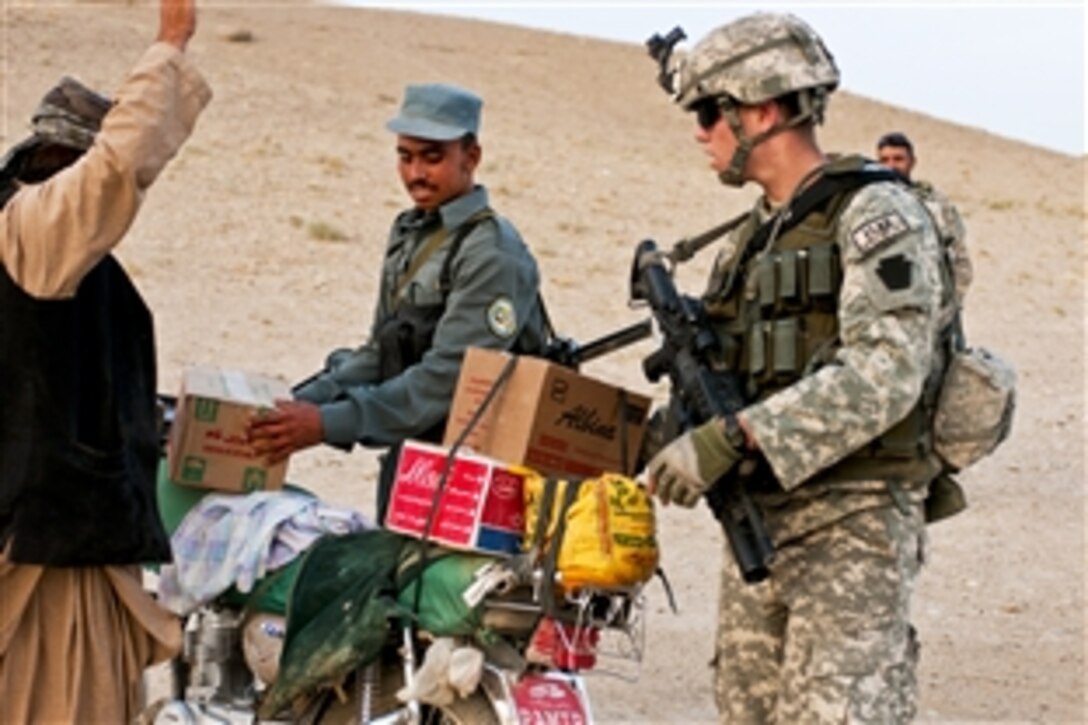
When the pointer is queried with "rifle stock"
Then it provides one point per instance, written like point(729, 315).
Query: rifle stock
point(704, 394)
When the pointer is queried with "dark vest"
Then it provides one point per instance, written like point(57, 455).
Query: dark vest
point(778, 322)
point(408, 333)
point(78, 440)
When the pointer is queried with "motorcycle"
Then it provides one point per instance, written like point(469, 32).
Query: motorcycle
point(543, 641)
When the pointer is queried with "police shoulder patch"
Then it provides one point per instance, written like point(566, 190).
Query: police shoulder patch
point(501, 317)
point(875, 233)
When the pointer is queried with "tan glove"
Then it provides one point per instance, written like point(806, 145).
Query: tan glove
point(684, 470)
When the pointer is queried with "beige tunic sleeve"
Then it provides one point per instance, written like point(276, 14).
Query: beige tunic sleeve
point(53, 233)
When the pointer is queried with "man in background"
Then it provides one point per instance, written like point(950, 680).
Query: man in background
point(896, 151)
point(455, 274)
point(78, 425)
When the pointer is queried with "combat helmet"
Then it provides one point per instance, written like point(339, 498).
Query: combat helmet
point(755, 59)
point(751, 60)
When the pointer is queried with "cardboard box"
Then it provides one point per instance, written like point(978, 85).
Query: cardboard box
point(208, 447)
point(547, 417)
point(481, 506)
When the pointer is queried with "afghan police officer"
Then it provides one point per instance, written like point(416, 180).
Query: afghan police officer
point(896, 151)
point(456, 274)
point(826, 303)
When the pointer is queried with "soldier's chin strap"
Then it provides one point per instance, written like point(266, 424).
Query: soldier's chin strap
point(812, 103)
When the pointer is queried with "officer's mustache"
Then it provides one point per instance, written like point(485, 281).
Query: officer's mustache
point(420, 184)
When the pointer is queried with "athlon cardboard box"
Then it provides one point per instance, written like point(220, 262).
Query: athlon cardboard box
point(547, 417)
point(480, 507)
point(208, 447)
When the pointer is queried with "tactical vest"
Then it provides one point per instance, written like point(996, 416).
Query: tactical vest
point(78, 439)
point(408, 332)
point(776, 314)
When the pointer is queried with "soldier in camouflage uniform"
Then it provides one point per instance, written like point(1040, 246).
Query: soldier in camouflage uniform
point(832, 323)
point(456, 274)
point(896, 151)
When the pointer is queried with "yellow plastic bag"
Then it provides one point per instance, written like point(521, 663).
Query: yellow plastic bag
point(610, 537)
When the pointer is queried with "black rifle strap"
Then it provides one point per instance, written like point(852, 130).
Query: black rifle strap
point(625, 463)
point(469, 224)
point(803, 204)
point(540, 533)
point(551, 552)
point(447, 468)
point(660, 573)
point(688, 247)
point(433, 244)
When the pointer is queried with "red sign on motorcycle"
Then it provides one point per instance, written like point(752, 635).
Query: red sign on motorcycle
point(550, 699)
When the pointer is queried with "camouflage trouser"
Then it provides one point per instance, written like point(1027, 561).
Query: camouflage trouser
point(826, 639)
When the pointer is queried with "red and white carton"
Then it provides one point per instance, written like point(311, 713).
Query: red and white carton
point(551, 697)
point(480, 508)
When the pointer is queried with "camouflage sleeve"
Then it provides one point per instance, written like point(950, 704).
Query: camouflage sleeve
point(888, 308)
point(954, 233)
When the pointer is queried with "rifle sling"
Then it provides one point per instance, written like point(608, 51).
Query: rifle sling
point(433, 244)
point(688, 247)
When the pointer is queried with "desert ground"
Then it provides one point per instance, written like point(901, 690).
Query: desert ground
point(258, 249)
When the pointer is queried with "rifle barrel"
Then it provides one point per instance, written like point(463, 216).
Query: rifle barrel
point(614, 340)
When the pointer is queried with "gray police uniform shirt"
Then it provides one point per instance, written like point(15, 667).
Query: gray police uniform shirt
point(493, 302)
point(876, 377)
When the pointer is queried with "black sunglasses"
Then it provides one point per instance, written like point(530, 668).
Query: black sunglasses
point(708, 111)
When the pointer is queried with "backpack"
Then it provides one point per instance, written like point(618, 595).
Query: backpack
point(974, 404)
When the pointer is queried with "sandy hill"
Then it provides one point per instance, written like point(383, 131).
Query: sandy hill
point(259, 249)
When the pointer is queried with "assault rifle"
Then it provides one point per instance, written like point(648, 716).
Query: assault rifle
point(702, 394)
point(568, 353)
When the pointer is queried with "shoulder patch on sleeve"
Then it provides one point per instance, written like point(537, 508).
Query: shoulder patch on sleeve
point(896, 272)
point(502, 319)
point(875, 233)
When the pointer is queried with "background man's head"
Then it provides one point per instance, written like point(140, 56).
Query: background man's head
point(895, 151)
point(437, 148)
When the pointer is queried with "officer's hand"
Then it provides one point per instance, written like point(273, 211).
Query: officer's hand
point(177, 22)
point(291, 426)
point(687, 467)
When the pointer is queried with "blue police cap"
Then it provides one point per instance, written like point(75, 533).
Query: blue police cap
point(437, 112)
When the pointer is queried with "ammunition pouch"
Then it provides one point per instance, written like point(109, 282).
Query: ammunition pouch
point(945, 498)
point(405, 336)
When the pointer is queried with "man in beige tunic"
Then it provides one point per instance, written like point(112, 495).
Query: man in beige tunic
point(77, 378)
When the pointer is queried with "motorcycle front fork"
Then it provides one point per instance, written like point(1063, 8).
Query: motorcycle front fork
point(369, 688)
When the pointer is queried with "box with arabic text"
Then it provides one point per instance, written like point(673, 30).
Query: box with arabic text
point(208, 446)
